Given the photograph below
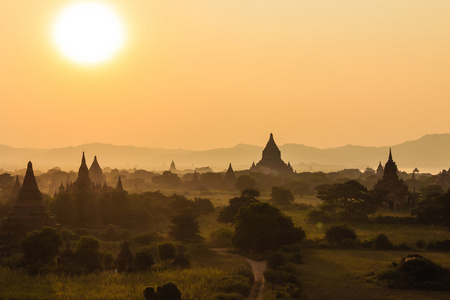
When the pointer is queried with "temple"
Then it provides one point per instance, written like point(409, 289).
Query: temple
point(173, 168)
point(230, 178)
point(83, 181)
point(96, 173)
point(271, 161)
point(28, 212)
point(396, 189)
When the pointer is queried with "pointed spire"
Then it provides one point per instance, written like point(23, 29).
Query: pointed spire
point(230, 169)
point(173, 168)
point(119, 185)
point(96, 173)
point(29, 189)
point(390, 154)
point(83, 180)
point(253, 165)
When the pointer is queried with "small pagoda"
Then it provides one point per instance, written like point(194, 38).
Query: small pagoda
point(396, 189)
point(271, 161)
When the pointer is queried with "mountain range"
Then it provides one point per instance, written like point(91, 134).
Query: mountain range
point(430, 153)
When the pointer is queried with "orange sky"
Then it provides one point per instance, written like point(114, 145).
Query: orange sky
point(206, 74)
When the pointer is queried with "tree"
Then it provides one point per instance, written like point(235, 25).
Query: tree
point(337, 234)
point(261, 226)
point(87, 254)
point(245, 182)
point(351, 200)
point(167, 179)
point(185, 228)
point(166, 251)
point(143, 260)
point(40, 248)
point(281, 196)
point(434, 209)
point(228, 214)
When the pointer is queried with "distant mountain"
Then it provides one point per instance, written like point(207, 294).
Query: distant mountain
point(430, 153)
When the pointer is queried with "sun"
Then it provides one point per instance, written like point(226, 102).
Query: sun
point(88, 32)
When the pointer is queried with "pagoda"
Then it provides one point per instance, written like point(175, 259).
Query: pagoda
point(271, 161)
point(173, 168)
point(83, 182)
point(96, 173)
point(28, 212)
point(396, 189)
point(230, 178)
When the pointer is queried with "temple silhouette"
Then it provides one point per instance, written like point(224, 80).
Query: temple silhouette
point(271, 161)
point(390, 183)
point(28, 212)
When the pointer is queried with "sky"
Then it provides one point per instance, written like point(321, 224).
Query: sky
point(210, 74)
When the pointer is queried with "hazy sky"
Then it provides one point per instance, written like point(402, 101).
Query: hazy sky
point(206, 74)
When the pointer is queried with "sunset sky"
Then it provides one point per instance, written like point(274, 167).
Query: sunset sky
point(207, 74)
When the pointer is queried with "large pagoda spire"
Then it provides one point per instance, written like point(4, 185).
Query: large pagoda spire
point(83, 181)
point(271, 159)
point(96, 173)
point(29, 190)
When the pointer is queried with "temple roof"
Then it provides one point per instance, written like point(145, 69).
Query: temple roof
point(83, 181)
point(29, 190)
point(95, 172)
point(119, 185)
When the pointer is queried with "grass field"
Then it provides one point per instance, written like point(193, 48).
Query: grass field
point(344, 274)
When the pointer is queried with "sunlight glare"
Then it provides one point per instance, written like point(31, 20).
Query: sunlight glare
point(88, 32)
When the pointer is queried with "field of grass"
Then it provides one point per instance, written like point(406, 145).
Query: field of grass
point(347, 274)
point(198, 283)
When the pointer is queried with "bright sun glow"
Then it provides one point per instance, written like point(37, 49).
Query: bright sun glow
point(88, 32)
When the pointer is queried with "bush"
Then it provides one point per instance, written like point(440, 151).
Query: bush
point(337, 234)
point(221, 238)
point(228, 296)
point(382, 242)
point(416, 272)
point(143, 261)
point(421, 244)
point(232, 285)
point(439, 245)
point(166, 251)
point(348, 244)
point(296, 258)
point(276, 260)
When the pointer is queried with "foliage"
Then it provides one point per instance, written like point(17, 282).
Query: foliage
point(416, 272)
point(351, 200)
point(260, 226)
point(40, 248)
point(167, 179)
point(88, 255)
point(276, 260)
point(166, 251)
point(143, 260)
point(337, 234)
point(434, 209)
point(203, 206)
point(245, 182)
point(185, 228)
point(439, 245)
point(221, 238)
point(382, 242)
point(229, 213)
point(168, 291)
point(281, 196)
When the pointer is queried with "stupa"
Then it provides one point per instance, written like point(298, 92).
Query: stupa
point(28, 212)
point(96, 173)
point(271, 161)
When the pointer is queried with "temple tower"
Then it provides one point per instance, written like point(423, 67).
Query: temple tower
point(83, 181)
point(173, 168)
point(96, 173)
point(119, 186)
point(28, 212)
point(271, 161)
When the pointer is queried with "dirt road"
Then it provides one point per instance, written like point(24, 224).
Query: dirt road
point(258, 268)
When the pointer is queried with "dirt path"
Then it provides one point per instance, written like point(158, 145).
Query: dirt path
point(258, 268)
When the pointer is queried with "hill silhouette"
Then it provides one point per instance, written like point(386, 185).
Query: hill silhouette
point(430, 153)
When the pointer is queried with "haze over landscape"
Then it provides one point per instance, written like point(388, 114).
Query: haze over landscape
point(212, 74)
point(225, 149)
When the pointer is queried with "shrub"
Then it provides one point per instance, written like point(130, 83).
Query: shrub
point(143, 260)
point(382, 242)
point(421, 244)
point(166, 251)
point(232, 285)
point(228, 296)
point(221, 238)
point(337, 234)
point(416, 272)
point(439, 245)
point(296, 258)
point(276, 260)
point(348, 244)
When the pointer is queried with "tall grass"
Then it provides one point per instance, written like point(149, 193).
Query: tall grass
point(199, 283)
